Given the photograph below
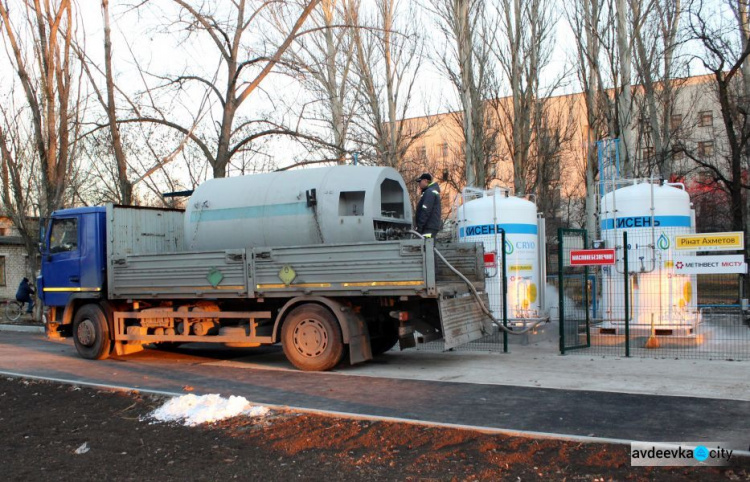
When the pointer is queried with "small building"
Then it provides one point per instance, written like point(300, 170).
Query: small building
point(14, 260)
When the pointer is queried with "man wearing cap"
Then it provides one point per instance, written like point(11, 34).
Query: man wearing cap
point(428, 209)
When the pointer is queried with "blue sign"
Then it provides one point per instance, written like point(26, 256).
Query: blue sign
point(645, 222)
point(485, 229)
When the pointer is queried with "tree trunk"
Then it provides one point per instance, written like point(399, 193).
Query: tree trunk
point(126, 187)
point(744, 25)
point(465, 59)
point(625, 97)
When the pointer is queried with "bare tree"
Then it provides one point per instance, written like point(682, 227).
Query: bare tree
point(586, 20)
point(723, 54)
point(18, 164)
point(47, 78)
point(325, 58)
point(389, 56)
point(625, 99)
point(39, 38)
point(523, 49)
point(124, 188)
point(466, 61)
point(655, 31)
point(743, 21)
point(227, 27)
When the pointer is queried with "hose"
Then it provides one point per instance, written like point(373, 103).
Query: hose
point(473, 290)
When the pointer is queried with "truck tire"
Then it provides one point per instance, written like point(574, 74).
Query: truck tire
point(91, 333)
point(311, 338)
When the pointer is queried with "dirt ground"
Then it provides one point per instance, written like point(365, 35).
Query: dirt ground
point(42, 424)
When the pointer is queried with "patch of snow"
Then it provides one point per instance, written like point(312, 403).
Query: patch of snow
point(83, 449)
point(192, 410)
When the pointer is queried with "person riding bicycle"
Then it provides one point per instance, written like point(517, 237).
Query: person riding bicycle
point(23, 295)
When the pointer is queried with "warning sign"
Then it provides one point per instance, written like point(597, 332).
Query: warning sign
point(592, 257)
point(710, 242)
point(728, 264)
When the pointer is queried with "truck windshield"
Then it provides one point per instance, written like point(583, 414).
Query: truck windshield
point(63, 235)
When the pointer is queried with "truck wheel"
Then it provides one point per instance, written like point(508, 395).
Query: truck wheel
point(91, 333)
point(311, 338)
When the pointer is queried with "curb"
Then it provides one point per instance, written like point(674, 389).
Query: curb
point(22, 328)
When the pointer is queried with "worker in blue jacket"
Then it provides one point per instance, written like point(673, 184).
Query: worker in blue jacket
point(429, 211)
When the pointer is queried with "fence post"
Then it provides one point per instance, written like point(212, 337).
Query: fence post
point(505, 293)
point(586, 295)
point(627, 293)
point(560, 286)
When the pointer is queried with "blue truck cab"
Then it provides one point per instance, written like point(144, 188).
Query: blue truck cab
point(73, 257)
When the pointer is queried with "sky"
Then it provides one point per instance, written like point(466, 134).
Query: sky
point(159, 49)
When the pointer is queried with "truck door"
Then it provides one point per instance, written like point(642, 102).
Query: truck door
point(61, 263)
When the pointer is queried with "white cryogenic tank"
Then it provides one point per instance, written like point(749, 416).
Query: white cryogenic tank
point(652, 214)
point(339, 204)
point(518, 217)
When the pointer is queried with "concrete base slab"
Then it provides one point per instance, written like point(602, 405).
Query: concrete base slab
point(665, 341)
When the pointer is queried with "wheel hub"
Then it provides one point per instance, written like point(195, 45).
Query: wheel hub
point(86, 334)
point(310, 338)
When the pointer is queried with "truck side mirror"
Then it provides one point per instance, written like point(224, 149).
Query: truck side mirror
point(42, 230)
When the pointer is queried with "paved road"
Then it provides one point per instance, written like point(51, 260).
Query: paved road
point(233, 372)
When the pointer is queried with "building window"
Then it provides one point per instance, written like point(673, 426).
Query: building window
point(678, 156)
point(705, 118)
point(423, 152)
point(445, 150)
point(675, 121)
point(3, 231)
point(2, 270)
point(706, 148)
point(648, 152)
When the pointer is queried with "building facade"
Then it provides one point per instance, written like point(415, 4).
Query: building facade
point(555, 167)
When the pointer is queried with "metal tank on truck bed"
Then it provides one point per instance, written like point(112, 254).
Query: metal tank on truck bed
point(318, 260)
point(339, 204)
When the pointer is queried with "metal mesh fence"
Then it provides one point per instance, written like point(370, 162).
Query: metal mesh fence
point(720, 334)
point(687, 317)
point(639, 307)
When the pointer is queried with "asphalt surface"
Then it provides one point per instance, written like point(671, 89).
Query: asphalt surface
point(565, 412)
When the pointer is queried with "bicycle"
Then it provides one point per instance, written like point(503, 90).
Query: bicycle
point(13, 310)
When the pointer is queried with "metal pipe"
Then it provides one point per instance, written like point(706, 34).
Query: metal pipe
point(627, 301)
point(542, 254)
point(560, 295)
point(495, 228)
point(505, 299)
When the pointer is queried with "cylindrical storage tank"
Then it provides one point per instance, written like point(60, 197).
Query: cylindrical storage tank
point(652, 214)
point(339, 204)
point(477, 221)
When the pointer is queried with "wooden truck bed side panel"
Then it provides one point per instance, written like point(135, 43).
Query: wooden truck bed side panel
point(379, 268)
point(396, 268)
point(206, 274)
